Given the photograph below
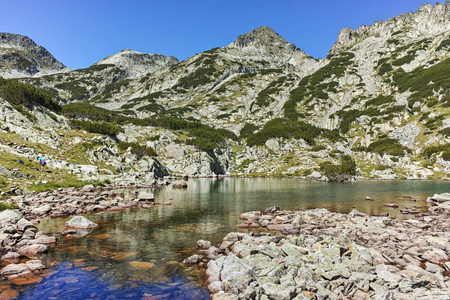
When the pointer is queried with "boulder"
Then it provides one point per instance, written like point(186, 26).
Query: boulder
point(204, 244)
point(236, 274)
point(145, 196)
point(23, 224)
point(193, 259)
point(81, 222)
point(12, 269)
point(41, 210)
point(35, 265)
point(9, 217)
point(32, 250)
point(441, 197)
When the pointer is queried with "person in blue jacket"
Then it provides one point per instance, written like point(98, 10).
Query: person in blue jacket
point(41, 163)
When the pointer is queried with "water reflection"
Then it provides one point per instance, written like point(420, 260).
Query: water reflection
point(136, 253)
point(74, 281)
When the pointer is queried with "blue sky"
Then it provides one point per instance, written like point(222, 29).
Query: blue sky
point(81, 32)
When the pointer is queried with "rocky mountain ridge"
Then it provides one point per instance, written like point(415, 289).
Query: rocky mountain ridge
point(21, 57)
point(380, 97)
point(137, 64)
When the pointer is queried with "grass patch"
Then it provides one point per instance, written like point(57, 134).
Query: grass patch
point(69, 182)
point(5, 206)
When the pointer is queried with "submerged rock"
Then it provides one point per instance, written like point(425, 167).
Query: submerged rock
point(81, 222)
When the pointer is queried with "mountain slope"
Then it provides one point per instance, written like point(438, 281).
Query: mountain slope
point(381, 97)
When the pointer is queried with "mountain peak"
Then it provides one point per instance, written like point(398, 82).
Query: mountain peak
point(261, 36)
point(20, 56)
point(138, 63)
point(427, 20)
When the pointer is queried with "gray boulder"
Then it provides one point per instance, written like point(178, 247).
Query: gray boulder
point(441, 197)
point(9, 217)
point(236, 274)
point(81, 222)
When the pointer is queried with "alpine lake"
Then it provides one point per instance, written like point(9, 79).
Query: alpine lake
point(137, 253)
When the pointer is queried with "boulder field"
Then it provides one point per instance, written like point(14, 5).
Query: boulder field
point(317, 254)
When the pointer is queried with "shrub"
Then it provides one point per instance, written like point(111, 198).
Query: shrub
point(100, 127)
point(424, 81)
point(198, 77)
point(77, 92)
point(137, 149)
point(114, 88)
point(445, 132)
point(429, 151)
point(404, 60)
point(443, 44)
point(247, 130)
point(152, 107)
point(318, 148)
point(387, 146)
point(381, 99)
point(285, 129)
point(346, 168)
point(21, 94)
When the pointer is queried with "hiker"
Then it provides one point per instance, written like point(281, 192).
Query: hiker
point(41, 163)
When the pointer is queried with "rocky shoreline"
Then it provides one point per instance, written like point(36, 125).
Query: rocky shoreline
point(22, 245)
point(317, 254)
point(323, 255)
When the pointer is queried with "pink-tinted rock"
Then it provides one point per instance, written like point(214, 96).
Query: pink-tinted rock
point(32, 250)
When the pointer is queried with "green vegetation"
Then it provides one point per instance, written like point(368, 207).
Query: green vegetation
point(25, 95)
point(84, 110)
point(444, 44)
point(424, 81)
point(152, 107)
point(277, 128)
point(435, 122)
point(387, 146)
point(429, 151)
point(264, 97)
point(247, 130)
point(137, 149)
point(445, 132)
point(404, 60)
point(96, 68)
point(347, 167)
point(203, 136)
point(380, 100)
point(313, 86)
point(349, 116)
point(100, 127)
point(384, 68)
point(4, 206)
point(318, 148)
point(69, 182)
point(114, 88)
point(200, 76)
point(77, 91)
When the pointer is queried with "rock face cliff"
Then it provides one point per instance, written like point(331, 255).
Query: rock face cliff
point(262, 106)
point(21, 57)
